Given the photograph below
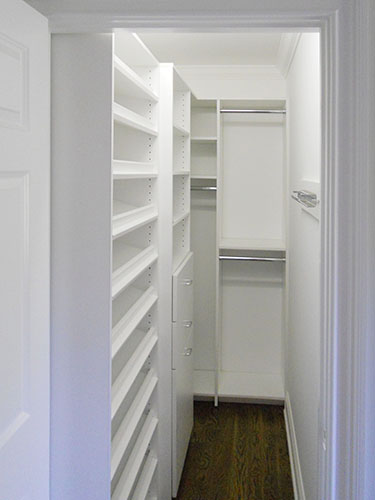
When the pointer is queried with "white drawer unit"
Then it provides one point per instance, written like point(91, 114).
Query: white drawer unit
point(183, 366)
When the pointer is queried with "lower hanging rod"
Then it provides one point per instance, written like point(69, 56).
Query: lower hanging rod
point(256, 111)
point(203, 188)
point(254, 259)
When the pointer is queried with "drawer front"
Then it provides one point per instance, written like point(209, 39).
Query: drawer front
point(183, 285)
point(183, 410)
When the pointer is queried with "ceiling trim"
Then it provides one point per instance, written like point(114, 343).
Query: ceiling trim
point(232, 72)
point(287, 49)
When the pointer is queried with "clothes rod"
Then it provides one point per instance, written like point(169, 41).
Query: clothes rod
point(256, 111)
point(254, 259)
point(203, 188)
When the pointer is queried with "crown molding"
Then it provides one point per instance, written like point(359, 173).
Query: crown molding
point(231, 72)
point(287, 49)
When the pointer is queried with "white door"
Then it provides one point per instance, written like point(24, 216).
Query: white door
point(24, 253)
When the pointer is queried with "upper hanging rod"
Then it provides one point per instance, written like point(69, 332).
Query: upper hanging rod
point(255, 259)
point(259, 111)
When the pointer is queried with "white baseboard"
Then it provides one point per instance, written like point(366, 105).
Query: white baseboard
point(299, 491)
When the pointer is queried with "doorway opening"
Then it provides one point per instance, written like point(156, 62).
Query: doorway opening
point(247, 202)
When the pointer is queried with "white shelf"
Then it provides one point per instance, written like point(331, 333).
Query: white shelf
point(241, 244)
point(134, 463)
point(125, 432)
point(204, 140)
point(127, 217)
point(204, 383)
point(127, 117)
point(129, 262)
point(132, 170)
point(256, 386)
point(141, 303)
point(144, 482)
point(179, 258)
point(129, 373)
point(180, 131)
point(181, 172)
point(180, 218)
point(129, 82)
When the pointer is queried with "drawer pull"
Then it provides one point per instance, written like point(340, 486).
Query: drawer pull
point(187, 282)
point(187, 324)
point(188, 351)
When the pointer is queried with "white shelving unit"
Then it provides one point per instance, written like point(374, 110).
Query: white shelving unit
point(135, 278)
point(224, 308)
point(181, 169)
point(204, 140)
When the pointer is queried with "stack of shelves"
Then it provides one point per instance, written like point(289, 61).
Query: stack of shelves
point(181, 169)
point(134, 408)
point(204, 147)
point(204, 138)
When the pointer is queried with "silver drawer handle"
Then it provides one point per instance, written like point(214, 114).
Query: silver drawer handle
point(188, 351)
point(187, 282)
point(187, 324)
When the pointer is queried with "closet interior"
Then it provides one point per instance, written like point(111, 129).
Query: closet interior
point(191, 181)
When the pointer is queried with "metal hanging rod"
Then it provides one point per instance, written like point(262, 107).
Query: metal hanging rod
point(203, 188)
point(254, 259)
point(256, 111)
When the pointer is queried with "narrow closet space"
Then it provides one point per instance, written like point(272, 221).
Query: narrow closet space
point(186, 173)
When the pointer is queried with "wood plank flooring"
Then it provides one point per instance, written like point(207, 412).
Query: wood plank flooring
point(237, 452)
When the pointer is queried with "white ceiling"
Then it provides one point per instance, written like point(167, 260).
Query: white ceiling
point(214, 48)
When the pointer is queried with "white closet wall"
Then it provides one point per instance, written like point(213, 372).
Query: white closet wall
point(303, 269)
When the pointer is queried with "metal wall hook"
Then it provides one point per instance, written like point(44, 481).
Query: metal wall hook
point(305, 198)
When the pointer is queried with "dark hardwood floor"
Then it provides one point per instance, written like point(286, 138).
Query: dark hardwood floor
point(237, 452)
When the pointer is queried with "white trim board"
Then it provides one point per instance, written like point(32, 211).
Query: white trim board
point(299, 492)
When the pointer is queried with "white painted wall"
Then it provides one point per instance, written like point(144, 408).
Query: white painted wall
point(236, 82)
point(303, 310)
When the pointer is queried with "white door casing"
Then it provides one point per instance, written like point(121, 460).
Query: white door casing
point(24, 253)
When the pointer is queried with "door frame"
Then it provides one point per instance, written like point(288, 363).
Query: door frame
point(346, 280)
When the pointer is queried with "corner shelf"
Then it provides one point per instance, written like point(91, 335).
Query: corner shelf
point(180, 131)
point(127, 217)
point(144, 482)
point(125, 116)
point(256, 244)
point(258, 386)
point(180, 218)
point(135, 460)
point(133, 170)
point(127, 376)
point(136, 304)
point(204, 383)
point(125, 432)
point(181, 172)
point(135, 261)
point(131, 83)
